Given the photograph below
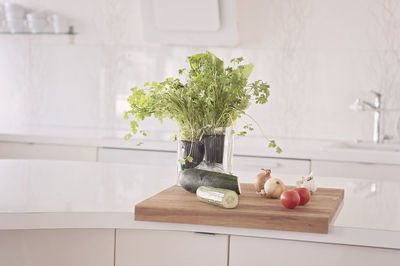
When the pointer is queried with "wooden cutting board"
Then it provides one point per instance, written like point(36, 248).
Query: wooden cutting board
point(175, 205)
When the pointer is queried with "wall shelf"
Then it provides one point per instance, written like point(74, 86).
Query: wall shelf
point(69, 32)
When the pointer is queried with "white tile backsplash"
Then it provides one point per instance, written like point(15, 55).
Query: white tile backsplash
point(318, 56)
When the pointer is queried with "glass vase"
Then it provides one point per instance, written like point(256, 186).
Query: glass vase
point(213, 152)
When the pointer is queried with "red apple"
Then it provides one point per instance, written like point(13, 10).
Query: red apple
point(304, 195)
point(290, 199)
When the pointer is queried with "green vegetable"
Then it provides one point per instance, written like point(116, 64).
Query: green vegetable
point(218, 196)
point(192, 179)
point(207, 98)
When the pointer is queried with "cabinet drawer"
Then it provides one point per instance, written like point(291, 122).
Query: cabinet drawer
point(61, 247)
point(253, 251)
point(14, 150)
point(247, 167)
point(144, 157)
point(152, 247)
point(356, 170)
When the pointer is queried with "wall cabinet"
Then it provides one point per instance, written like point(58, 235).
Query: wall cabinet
point(20, 150)
point(255, 251)
point(169, 248)
point(61, 247)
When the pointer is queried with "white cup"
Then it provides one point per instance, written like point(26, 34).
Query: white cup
point(16, 25)
point(37, 25)
point(36, 16)
point(2, 15)
point(13, 11)
point(60, 24)
point(3, 26)
point(37, 22)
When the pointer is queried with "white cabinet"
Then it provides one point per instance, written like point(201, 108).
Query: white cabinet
point(160, 158)
point(261, 251)
point(247, 167)
point(61, 247)
point(169, 248)
point(16, 150)
point(356, 170)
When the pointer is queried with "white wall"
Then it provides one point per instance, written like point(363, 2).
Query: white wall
point(317, 55)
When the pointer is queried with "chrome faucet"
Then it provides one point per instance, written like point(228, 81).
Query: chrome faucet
point(376, 107)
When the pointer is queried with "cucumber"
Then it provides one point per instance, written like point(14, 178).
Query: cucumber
point(218, 196)
point(191, 179)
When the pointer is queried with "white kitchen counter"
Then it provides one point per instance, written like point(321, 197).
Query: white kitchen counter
point(248, 146)
point(37, 194)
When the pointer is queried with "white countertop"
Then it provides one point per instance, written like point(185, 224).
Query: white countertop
point(37, 194)
point(159, 140)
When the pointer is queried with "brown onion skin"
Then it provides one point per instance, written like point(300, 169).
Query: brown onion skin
point(261, 178)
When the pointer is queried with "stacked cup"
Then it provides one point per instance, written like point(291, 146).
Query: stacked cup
point(12, 19)
point(15, 17)
point(37, 22)
point(2, 19)
point(58, 23)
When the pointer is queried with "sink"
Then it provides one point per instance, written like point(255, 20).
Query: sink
point(370, 146)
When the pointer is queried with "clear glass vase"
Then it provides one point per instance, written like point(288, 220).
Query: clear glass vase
point(213, 152)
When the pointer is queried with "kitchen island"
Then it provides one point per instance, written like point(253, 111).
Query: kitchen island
point(82, 213)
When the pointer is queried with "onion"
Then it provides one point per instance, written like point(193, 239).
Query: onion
point(261, 178)
point(274, 188)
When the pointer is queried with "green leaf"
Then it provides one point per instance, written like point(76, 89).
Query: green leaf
point(139, 144)
point(205, 96)
point(174, 137)
point(278, 150)
point(272, 144)
point(246, 71)
point(189, 158)
point(181, 161)
point(128, 136)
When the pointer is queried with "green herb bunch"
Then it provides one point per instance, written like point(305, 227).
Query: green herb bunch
point(206, 99)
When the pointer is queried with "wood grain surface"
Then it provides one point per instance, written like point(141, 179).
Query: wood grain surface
point(175, 205)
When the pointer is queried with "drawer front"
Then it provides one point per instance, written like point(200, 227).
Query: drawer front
point(247, 167)
point(253, 251)
point(61, 247)
point(356, 170)
point(144, 157)
point(152, 247)
point(14, 150)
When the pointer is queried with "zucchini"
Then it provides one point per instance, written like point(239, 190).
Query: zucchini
point(191, 179)
point(218, 196)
